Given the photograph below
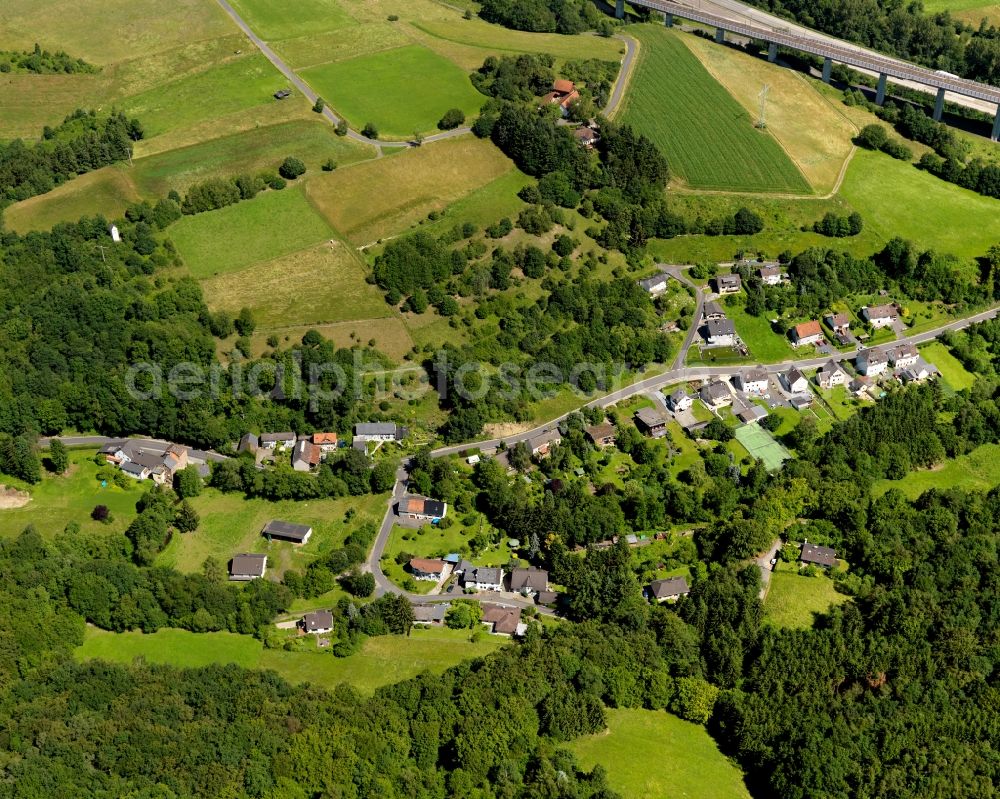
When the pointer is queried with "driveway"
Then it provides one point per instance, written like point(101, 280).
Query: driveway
point(764, 564)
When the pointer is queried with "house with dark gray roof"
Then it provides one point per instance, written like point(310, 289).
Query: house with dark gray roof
point(727, 284)
point(379, 431)
point(287, 531)
point(484, 578)
point(818, 555)
point(720, 332)
point(651, 422)
point(671, 589)
point(430, 614)
point(712, 311)
point(654, 285)
point(248, 443)
point(716, 394)
point(247, 567)
point(529, 581)
point(319, 622)
point(277, 440)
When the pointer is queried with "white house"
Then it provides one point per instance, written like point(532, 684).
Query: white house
point(871, 362)
point(484, 578)
point(378, 431)
point(305, 456)
point(541, 444)
point(680, 400)
point(807, 333)
point(727, 284)
point(830, 375)
point(753, 381)
point(655, 285)
point(277, 440)
point(879, 316)
point(427, 569)
point(720, 332)
point(795, 381)
point(903, 356)
point(421, 508)
point(770, 275)
point(243, 568)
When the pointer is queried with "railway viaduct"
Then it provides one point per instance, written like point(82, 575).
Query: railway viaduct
point(883, 66)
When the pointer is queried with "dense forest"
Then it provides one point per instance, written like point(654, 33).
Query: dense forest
point(543, 16)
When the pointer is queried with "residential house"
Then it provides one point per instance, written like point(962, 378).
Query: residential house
point(859, 385)
point(548, 598)
point(830, 375)
point(147, 463)
point(541, 444)
point(586, 136)
point(502, 620)
point(305, 456)
point(421, 508)
point(727, 284)
point(795, 381)
point(871, 362)
point(879, 316)
point(249, 443)
point(287, 531)
point(712, 311)
point(319, 622)
point(720, 332)
point(716, 394)
point(379, 431)
point(427, 569)
point(277, 440)
point(838, 322)
point(564, 93)
point(818, 555)
point(430, 614)
point(327, 442)
point(529, 581)
point(807, 333)
point(800, 401)
point(601, 435)
point(247, 567)
point(770, 275)
point(670, 589)
point(680, 400)
point(136, 470)
point(753, 381)
point(751, 414)
point(651, 422)
point(654, 285)
point(903, 356)
point(483, 578)
point(919, 372)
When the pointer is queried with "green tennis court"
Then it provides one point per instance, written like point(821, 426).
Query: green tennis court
point(761, 445)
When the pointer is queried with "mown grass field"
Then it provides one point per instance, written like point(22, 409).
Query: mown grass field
point(231, 524)
point(654, 755)
point(383, 88)
point(272, 21)
point(320, 285)
point(272, 224)
point(956, 375)
point(978, 470)
point(381, 198)
point(811, 128)
point(970, 11)
point(766, 346)
point(381, 661)
point(793, 599)
point(708, 138)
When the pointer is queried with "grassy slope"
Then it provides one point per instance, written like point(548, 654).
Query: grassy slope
point(793, 599)
point(708, 138)
point(978, 470)
point(273, 224)
point(654, 755)
point(956, 375)
point(381, 661)
point(271, 20)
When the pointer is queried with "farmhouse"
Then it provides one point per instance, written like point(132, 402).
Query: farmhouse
point(818, 555)
point(770, 275)
point(483, 578)
point(327, 442)
point(680, 400)
point(753, 381)
point(654, 285)
point(879, 316)
point(305, 456)
point(277, 440)
point(601, 435)
point(807, 333)
point(716, 394)
point(148, 463)
point(529, 581)
point(727, 284)
point(871, 362)
point(287, 531)
point(670, 589)
point(712, 312)
point(421, 508)
point(795, 381)
point(564, 93)
point(903, 356)
point(501, 620)
point(247, 567)
point(541, 444)
point(720, 332)
point(430, 614)
point(427, 569)
point(651, 422)
point(830, 374)
point(379, 431)
point(319, 622)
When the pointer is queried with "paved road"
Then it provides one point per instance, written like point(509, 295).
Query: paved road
point(677, 273)
point(624, 75)
point(311, 96)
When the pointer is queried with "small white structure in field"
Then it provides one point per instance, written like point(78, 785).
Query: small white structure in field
point(115, 235)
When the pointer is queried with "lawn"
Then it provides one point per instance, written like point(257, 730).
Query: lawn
point(272, 21)
point(793, 599)
point(381, 198)
point(320, 285)
point(654, 755)
point(107, 191)
point(969, 11)
point(390, 335)
point(57, 501)
point(273, 224)
point(840, 401)
point(811, 128)
point(897, 199)
point(381, 661)
point(486, 205)
point(231, 524)
point(978, 470)
point(952, 370)
point(765, 345)
point(708, 138)
point(380, 88)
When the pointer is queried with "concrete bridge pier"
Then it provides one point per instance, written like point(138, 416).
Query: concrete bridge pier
point(880, 90)
point(619, 9)
point(668, 19)
point(939, 105)
point(996, 126)
point(720, 35)
point(827, 67)
point(772, 52)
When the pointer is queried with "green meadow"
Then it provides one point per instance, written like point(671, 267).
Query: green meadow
point(272, 21)
point(952, 370)
point(978, 470)
point(793, 599)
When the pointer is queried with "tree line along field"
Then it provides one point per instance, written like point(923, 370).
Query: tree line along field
point(709, 139)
